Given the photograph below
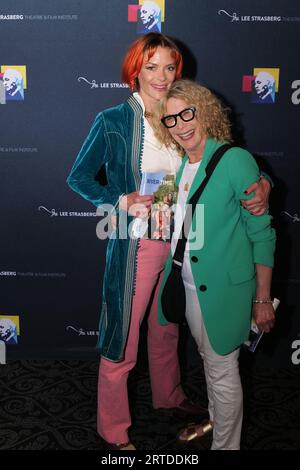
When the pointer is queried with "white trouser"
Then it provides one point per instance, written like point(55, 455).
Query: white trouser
point(224, 388)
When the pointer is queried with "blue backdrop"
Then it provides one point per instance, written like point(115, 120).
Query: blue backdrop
point(66, 58)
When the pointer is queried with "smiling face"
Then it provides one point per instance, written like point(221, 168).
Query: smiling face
point(156, 76)
point(189, 135)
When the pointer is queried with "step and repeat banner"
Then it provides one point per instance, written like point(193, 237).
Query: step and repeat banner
point(59, 66)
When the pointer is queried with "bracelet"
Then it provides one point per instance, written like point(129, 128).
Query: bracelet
point(262, 301)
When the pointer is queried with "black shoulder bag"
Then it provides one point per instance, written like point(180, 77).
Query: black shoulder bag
point(173, 294)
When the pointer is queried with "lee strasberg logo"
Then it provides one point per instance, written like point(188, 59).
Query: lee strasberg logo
point(31, 274)
point(262, 85)
point(293, 217)
point(149, 15)
point(13, 82)
point(81, 331)
point(59, 213)
point(233, 17)
point(20, 17)
point(94, 85)
point(15, 149)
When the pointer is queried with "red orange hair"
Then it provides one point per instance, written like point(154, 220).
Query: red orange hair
point(147, 44)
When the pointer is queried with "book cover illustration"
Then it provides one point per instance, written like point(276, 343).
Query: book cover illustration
point(160, 222)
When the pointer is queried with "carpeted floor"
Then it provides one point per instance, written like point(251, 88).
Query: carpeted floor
point(51, 404)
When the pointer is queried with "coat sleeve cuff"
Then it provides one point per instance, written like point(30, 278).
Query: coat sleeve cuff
point(264, 253)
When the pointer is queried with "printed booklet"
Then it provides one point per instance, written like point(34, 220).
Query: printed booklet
point(160, 223)
point(255, 334)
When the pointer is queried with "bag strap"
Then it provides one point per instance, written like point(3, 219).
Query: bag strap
point(180, 247)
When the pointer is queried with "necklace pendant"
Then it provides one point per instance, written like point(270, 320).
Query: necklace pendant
point(186, 187)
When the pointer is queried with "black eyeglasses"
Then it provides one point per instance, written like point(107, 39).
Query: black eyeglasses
point(186, 115)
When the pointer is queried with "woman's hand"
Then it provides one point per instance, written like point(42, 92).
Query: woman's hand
point(258, 204)
point(136, 205)
point(264, 316)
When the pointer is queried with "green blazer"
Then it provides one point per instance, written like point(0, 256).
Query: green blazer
point(234, 241)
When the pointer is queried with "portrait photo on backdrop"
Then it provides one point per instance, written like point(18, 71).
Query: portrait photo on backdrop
point(149, 20)
point(263, 88)
point(13, 84)
point(8, 331)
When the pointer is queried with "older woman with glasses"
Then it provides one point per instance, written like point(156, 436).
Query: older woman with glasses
point(227, 275)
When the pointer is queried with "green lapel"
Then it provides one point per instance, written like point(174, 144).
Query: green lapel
point(179, 174)
point(210, 147)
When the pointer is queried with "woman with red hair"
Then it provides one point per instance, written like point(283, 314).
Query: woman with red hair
point(122, 140)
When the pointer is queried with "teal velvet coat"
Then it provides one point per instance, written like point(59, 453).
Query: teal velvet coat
point(234, 240)
point(116, 141)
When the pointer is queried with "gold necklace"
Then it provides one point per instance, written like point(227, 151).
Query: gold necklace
point(186, 186)
point(148, 114)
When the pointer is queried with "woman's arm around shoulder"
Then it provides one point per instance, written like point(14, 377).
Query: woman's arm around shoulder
point(242, 172)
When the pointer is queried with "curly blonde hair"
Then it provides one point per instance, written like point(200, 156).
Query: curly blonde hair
point(210, 113)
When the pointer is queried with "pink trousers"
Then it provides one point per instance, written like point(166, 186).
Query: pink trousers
point(113, 408)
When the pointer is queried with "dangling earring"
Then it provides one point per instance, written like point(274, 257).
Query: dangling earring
point(134, 84)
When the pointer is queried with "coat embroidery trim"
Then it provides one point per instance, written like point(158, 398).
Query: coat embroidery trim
point(130, 279)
